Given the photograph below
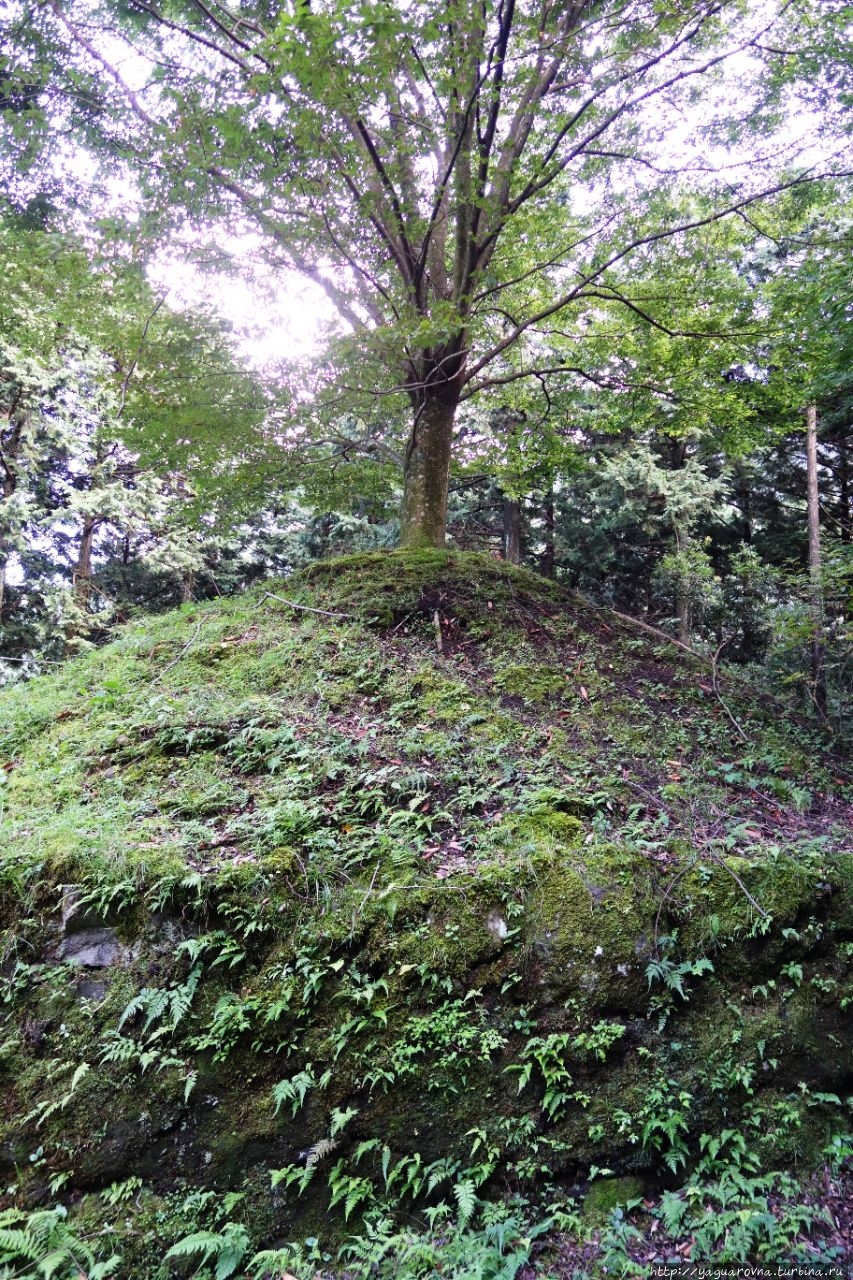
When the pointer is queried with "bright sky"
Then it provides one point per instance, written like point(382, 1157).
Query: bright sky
point(287, 318)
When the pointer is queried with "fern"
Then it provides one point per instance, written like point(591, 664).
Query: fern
point(43, 1110)
point(228, 1246)
point(295, 1089)
point(16, 1244)
point(154, 1002)
point(120, 1049)
point(45, 1242)
point(340, 1119)
point(672, 1210)
point(319, 1151)
point(348, 1189)
point(290, 1174)
point(466, 1200)
point(155, 1007)
point(369, 1144)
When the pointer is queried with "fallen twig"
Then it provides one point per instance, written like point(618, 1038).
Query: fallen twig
point(715, 857)
point(439, 639)
point(716, 687)
point(176, 660)
point(402, 623)
point(51, 662)
point(304, 608)
point(704, 658)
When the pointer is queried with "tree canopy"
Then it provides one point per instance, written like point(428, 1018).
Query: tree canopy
point(459, 180)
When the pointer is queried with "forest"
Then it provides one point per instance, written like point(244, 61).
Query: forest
point(426, 638)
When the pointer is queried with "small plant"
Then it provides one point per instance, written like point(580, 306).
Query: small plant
point(663, 968)
point(42, 1244)
point(119, 1193)
point(453, 1250)
point(226, 1248)
point(664, 1116)
point(600, 1039)
point(159, 1003)
point(616, 1240)
point(296, 1089)
point(548, 1053)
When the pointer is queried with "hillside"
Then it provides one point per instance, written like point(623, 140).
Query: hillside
point(416, 882)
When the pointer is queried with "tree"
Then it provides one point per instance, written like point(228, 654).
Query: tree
point(106, 400)
point(455, 178)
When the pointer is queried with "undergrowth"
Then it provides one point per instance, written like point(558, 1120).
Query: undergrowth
point(421, 937)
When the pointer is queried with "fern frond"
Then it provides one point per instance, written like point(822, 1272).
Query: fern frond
point(466, 1200)
point(205, 1242)
point(17, 1245)
point(320, 1150)
point(136, 1005)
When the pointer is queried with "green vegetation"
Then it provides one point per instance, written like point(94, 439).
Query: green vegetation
point(331, 924)
point(428, 914)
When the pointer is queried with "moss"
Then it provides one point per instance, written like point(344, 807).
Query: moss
point(607, 1194)
point(546, 827)
point(445, 699)
point(741, 907)
point(388, 586)
point(533, 683)
point(590, 924)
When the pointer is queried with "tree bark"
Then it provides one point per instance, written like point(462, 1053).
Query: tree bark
point(9, 483)
point(82, 580)
point(815, 587)
point(511, 531)
point(426, 472)
point(685, 623)
point(548, 558)
point(845, 516)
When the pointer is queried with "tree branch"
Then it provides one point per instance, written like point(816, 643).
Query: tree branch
point(125, 382)
point(652, 237)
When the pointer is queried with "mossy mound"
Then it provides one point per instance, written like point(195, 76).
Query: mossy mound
point(413, 874)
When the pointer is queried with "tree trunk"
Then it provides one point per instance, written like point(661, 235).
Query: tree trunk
point(82, 580)
point(744, 492)
point(511, 531)
point(845, 516)
point(815, 586)
point(548, 561)
point(426, 472)
point(7, 488)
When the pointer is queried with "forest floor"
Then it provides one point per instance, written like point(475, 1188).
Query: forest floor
point(401, 909)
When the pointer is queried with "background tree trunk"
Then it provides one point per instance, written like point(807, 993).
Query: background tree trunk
point(547, 562)
point(815, 587)
point(844, 513)
point(511, 531)
point(426, 471)
point(7, 487)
